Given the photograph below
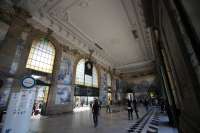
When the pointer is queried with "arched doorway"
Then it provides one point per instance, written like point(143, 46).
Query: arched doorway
point(86, 85)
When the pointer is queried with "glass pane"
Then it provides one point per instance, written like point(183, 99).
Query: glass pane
point(95, 77)
point(80, 72)
point(38, 60)
point(88, 80)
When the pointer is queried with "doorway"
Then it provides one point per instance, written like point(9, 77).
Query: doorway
point(40, 102)
point(41, 96)
point(83, 103)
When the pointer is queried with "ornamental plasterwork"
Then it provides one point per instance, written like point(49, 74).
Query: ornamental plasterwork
point(53, 14)
point(145, 35)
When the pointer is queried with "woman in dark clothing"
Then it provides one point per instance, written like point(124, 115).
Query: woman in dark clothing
point(95, 111)
point(130, 110)
point(146, 104)
point(135, 108)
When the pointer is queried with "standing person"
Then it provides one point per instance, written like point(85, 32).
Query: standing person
point(34, 109)
point(130, 110)
point(95, 111)
point(108, 107)
point(162, 105)
point(146, 104)
point(135, 108)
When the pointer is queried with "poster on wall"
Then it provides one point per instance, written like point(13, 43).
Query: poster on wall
point(104, 81)
point(63, 94)
point(19, 111)
point(66, 70)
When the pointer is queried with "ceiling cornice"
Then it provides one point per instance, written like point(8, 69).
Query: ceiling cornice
point(134, 10)
point(46, 12)
point(136, 67)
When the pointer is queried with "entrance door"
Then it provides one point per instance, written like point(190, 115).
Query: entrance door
point(83, 101)
point(39, 107)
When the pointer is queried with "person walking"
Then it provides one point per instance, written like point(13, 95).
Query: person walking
point(95, 112)
point(146, 104)
point(130, 110)
point(135, 108)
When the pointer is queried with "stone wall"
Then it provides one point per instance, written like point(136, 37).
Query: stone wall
point(180, 75)
point(15, 43)
point(63, 89)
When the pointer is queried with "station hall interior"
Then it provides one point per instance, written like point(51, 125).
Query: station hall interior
point(99, 66)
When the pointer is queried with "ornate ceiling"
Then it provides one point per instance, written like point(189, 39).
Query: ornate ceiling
point(114, 29)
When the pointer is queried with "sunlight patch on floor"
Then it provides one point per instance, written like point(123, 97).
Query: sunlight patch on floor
point(81, 109)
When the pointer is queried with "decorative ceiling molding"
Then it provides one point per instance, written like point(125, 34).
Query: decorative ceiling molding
point(53, 14)
point(66, 38)
point(136, 67)
point(138, 64)
point(134, 9)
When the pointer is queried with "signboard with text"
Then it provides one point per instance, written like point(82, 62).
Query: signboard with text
point(20, 108)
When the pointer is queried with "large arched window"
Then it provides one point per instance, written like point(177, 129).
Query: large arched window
point(82, 79)
point(108, 80)
point(41, 56)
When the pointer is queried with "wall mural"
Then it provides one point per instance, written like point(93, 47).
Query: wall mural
point(63, 94)
point(64, 79)
point(103, 87)
point(143, 86)
point(65, 73)
point(141, 89)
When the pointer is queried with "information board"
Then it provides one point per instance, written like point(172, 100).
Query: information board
point(19, 111)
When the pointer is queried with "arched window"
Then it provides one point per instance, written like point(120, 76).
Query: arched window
point(41, 56)
point(108, 80)
point(88, 80)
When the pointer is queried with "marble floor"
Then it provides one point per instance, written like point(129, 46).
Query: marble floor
point(82, 122)
point(164, 126)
